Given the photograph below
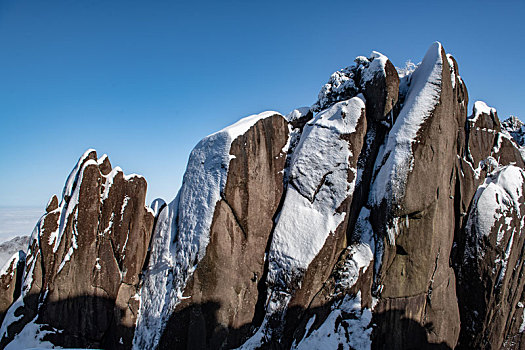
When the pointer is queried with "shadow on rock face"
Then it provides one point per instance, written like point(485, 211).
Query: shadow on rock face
point(396, 331)
point(196, 327)
point(79, 322)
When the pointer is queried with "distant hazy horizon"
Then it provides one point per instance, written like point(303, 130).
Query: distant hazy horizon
point(18, 221)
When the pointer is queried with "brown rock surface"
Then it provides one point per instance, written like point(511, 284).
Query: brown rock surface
point(381, 93)
point(85, 270)
point(224, 288)
point(10, 278)
point(417, 266)
point(490, 277)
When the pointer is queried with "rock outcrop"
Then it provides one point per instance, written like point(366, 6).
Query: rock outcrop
point(384, 216)
point(83, 265)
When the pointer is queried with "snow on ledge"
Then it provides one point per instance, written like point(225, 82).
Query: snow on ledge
point(395, 158)
point(480, 108)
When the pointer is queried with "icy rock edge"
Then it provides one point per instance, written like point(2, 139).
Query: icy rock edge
point(380, 217)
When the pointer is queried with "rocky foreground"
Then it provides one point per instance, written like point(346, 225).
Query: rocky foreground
point(384, 216)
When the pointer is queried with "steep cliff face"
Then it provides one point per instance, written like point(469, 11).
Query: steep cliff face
point(81, 276)
point(381, 217)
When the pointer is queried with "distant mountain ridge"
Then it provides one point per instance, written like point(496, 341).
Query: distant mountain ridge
point(12, 246)
point(383, 216)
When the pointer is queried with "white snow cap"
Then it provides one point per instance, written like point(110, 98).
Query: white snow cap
point(182, 231)
point(376, 66)
point(481, 107)
point(395, 158)
point(297, 113)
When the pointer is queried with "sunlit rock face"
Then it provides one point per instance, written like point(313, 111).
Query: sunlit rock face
point(384, 216)
point(81, 276)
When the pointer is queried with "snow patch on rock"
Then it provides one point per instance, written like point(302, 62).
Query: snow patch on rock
point(480, 108)
point(348, 326)
point(182, 231)
point(395, 158)
point(496, 197)
point(350, 81)
point(318, 185)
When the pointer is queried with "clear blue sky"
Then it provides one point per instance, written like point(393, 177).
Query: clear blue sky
point(144, 81)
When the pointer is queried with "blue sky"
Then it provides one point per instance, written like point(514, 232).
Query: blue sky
point(144, 81)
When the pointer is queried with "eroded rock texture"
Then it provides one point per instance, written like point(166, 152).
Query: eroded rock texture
point(382, 217)
point(81, 276)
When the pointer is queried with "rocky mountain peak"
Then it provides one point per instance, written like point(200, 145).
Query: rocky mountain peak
point(384, 216)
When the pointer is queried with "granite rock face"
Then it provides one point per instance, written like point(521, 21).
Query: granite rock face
point(384, 216)
point(82, 268)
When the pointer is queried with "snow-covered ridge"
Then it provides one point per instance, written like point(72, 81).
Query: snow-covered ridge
point(12, 262)
point(297, 113)
point(183, 227)
point(480, 108)
point(350, 81)
point(395, 159)
point(515, 128)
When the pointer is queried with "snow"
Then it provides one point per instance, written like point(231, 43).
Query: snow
point(123, 208)
point(360, 255)
point(515, 129)
point(297, 113)
point(376, 67)
point(101, 160)
point(345, 83)
point(240, 127)
point(109, 181)
point(498, 197)
point(348, 326)
point(182, 231)
point(13, 261)
point(157, 295)
point(407, 70)
point(500, 193)
point(294, 135)
point(318, 185)
point(504, 262)
point(395, 158)
point(452, 70)
point(31, 336)
point(480, 108)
